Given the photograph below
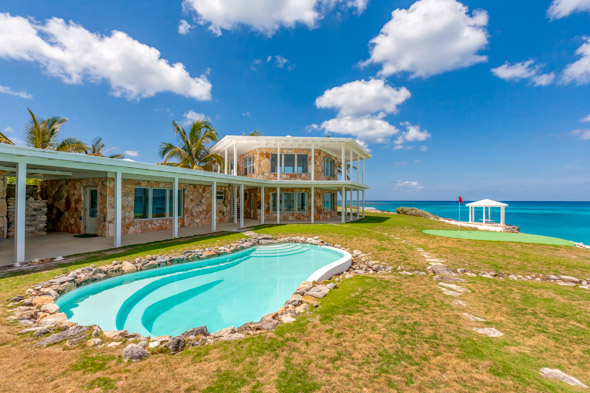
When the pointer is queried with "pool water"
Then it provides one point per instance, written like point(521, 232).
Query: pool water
point(224, 291)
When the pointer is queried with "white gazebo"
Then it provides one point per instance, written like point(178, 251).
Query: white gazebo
point(487, 203)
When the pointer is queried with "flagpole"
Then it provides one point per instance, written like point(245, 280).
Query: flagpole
point(459, 223)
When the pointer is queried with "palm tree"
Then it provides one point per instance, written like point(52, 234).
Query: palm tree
point(43, 135)
point(192, 151)
point(97, 149)
point(4, 139)
point(253, 133)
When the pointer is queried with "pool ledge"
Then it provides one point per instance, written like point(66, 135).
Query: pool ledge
point(328, 271)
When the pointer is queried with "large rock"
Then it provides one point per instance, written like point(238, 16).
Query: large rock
point(115, 334)
point(570, 279)
point(74, 331)
point(225, 332)
point(201, 330)
point(176, 344)
point(319, 291)
point(490, 332)
point(128, 267)
point(442, 270)
point(134, 352)
point(554, 373)
point(41, 300)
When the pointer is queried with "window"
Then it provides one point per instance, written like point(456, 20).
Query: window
point(288, 163)
point(288, 199)
point(302, 201)
point(328, 201)
point(328, 167)
point(220, 195)
point(248, 164)
point(273, 163)
point(273, 202)
point(141, 203)
point(171, 202)
point(302, 163)
point(93, 203)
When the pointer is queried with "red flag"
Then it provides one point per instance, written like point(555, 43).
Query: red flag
point(460, 199)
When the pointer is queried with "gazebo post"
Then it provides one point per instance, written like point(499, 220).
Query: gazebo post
point(502, 216)
point(484, 214)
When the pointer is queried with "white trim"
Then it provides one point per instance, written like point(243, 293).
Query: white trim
point(262, 205)
point(118, 215)
point(20, 212)
point(328, 271)
point(312, 212)
point(241, 205)
point(174, 207)
point(214, 207)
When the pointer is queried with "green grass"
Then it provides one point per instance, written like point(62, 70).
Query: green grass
point(500, 237)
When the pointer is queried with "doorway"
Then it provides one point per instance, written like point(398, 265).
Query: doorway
point(90, 210)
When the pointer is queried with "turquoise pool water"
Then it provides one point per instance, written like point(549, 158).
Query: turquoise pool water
point(219, 292)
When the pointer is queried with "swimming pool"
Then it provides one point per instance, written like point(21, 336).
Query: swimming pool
point(224, 291)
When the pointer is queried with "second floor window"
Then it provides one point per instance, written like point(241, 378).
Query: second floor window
point(329, 167)
point(290, 163)
point(248, 165)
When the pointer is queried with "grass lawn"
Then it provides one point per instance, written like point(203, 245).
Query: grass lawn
point(499, 237)
point(386, 332)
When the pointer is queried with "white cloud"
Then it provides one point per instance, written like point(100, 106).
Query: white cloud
point(21, 94)
point(579, 71)
point(191, 116)
point(8, 130)
point(247, 114)
point(413, 133)
point(265, 16)
point(362, 106)
point(280, 62)
point(410, 185)
point(184, 27)
point(586, 119)
point(429, 38)
point(524, 70)
point(581, 134)
point(131, 153)
point(363, 97)
point(562, 8)
point(68, 51)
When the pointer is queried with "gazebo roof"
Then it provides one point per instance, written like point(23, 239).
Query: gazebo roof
point(487, 203)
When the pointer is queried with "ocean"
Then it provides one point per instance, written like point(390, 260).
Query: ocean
point(566, 220)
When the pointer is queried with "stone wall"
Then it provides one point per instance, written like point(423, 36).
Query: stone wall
point(319, 213)
point(262, 167)
point(3, 208)
point(35, 216)
point(66, 206)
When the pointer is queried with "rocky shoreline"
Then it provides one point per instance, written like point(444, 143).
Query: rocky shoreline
point(43, 318)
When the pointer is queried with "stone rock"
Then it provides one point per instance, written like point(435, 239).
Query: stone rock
point(209, 253)
point(302, 308)
point(459, 303)
point(50, 308)
point(201, 330)
point(41, 332)
point(134, 352)
point(449, 292)
point(453, 287)
point(287, 318)
point(114, 344)
point(53, 319)
point(570, 279)
point(565, 283)
point(474, 318)
point(232, 337)
point(128, 267)
point(154, 344)
point(94, 342)
point(554, 373)
point(224, 332)
point(176, 344)
point(490, 332)
point(115, 334)
point(552, 277)
point(266, 241)
point(319, 291)
point(442, 270)
point(332, 286)
point(63, 335)
point(448, 279)
point(17, 299)
point(41, 300)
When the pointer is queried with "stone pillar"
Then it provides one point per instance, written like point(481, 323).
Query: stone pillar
point(20, 213)
point(3, 209)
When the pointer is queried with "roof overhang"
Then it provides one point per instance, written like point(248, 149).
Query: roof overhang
point(486, 203)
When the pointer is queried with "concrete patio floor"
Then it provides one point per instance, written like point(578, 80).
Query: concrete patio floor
point(64, 244)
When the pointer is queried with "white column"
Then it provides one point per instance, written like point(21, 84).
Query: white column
point(343, 204)
point(278, 206)
point(118, 219)
point(235, 191)
point(351, 202)
point(225, 162)
point(235, 160)
point(502, 216)
point(312, 163)
point(358, 169)
point(214, 207)
point(489, 214)
point(484, 214)
point(469, 207)
point(363, 203)
point(350, 174)
point(363, 173)
point(262, 205)
point(312, 201)
point(241, 205)
point(278, 163)
point(20, 213)
point(175, 208)
point(358, 207)
point(343, 164)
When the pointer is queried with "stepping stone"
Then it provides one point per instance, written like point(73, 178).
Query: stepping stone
point(459, 303)
point(448, 279)
point(435, 260)
point(456, 288)
point(490, 332)
point(474, 318)
point(450, 293)
point(442, 270)
point(554, 373)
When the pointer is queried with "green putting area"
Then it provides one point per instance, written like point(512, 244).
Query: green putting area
point(500, 237)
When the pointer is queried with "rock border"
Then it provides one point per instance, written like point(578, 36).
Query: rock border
point(37, 309)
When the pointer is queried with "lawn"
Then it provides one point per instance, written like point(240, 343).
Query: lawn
point(386, 332)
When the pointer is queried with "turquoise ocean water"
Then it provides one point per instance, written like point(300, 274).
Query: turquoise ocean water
point(566, 220)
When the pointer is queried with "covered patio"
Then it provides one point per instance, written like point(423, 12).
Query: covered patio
point(487, 204)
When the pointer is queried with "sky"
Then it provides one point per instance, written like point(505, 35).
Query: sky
point(483, 99)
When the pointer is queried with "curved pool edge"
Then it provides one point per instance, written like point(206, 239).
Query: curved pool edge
point(328, 271)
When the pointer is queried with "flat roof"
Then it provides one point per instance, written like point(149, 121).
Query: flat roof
point(487, 203)
point(330, 145)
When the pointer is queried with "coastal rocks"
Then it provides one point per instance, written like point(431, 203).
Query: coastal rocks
point(63, 335)
point(42, 300)
point(94, 342)
point(319, 291)
point(554, 373)
point(176, 344)
point(490, 332)
point(134, 353)
point(197, 331)
point(128, 267)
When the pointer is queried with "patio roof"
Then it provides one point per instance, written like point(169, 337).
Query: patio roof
point(486, 203)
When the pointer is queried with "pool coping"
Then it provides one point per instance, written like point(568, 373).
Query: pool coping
point(330, 270)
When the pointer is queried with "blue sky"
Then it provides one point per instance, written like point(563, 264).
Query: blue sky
point(472, 98)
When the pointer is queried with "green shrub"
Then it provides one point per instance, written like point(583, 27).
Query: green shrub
point(412, 211)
